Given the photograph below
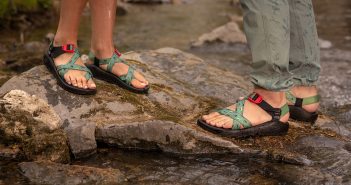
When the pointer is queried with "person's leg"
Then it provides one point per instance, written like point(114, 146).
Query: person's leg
point(103, 22)
point(67, 33)
point(267, 28)
point(304, 51)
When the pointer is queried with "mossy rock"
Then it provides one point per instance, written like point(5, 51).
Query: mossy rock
point(184, 87)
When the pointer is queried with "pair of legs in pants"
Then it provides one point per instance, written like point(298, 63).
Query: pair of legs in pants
point(283, 40)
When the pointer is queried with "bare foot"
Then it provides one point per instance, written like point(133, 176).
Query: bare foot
point(304, 92)
point(252, 112)
point(120, 69)
point(75, 77)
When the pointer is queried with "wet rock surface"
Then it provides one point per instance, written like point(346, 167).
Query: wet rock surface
point(53, 173)
point(183, 88)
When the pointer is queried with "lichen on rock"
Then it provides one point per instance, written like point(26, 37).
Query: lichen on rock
point(33, 124)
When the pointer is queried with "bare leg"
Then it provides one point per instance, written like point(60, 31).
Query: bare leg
point(103, 22)
point(67, 33)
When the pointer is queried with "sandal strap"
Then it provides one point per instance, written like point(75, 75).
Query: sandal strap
point(129, 76)
point(276, 113)
point(299, 102)
point(54, 52)
point(63, 69)
point(110, 62)
point(238, 119)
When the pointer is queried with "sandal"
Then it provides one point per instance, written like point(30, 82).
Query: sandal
point(242, 127)
point(123, 81)
point(60, 70)
point(297, 112)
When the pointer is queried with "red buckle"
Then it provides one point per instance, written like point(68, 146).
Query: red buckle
point(68, 48)
point(118, 53)
point(255, 98)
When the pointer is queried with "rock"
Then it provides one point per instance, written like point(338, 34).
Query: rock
point(324, 44)
point(235, 2)
point(9, 153)
point(4, 76)
point(18, 105)
point(53, 173)
point(184, 87)
point(229, 34)
point(81, 137)
point(31, 123)
point(49, 37)
point(35, 46)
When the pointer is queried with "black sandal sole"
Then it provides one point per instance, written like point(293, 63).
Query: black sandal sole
point(113, 79)
point(300, 114)
point(50, 64)
point(271, 128)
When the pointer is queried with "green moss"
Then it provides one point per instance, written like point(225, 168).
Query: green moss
point(4, 6)
point(11, 7)
point(25, 5)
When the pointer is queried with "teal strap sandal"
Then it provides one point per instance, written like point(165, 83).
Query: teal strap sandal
point(123, 81)
point(297, 112)
point(60, 70)
point(242, 127)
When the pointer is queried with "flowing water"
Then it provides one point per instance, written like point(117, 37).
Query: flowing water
point(156, 26)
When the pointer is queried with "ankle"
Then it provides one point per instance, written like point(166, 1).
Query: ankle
point(102, 51)
point(275, 98)
point(304, 91)
point(59, 41)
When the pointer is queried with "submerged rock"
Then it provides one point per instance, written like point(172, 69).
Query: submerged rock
point(33, 124)
point(184, 87)
point(53, 173)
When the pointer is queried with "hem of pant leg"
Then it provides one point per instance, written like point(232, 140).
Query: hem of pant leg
point(272, 89)
point(308, 84)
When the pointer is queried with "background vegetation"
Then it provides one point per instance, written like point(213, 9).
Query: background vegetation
point(12, 7)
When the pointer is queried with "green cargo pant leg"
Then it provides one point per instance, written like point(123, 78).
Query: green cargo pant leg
point(304, 48)
point(267, 28)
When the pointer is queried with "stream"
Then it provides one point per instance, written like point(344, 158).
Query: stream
point(156, 26)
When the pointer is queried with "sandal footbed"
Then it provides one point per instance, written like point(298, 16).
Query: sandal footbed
point(50, 65)
point(270, 128)
point(300, 114)
point(111, 78)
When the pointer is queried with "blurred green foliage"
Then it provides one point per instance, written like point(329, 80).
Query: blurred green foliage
point(9, 7)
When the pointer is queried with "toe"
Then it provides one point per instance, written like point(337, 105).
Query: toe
point(141, 78)
point(228, 123)
point(85, 83)
point(74, 81)
point(220, 121)
point(67, 79)
point(137, 84)
point(80, 82)
point(209, 120)
point(91, 84)
point(209, 116)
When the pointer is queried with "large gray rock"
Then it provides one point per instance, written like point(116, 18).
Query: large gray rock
point(53, 173)
point(183, 88)
point(31, 123)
